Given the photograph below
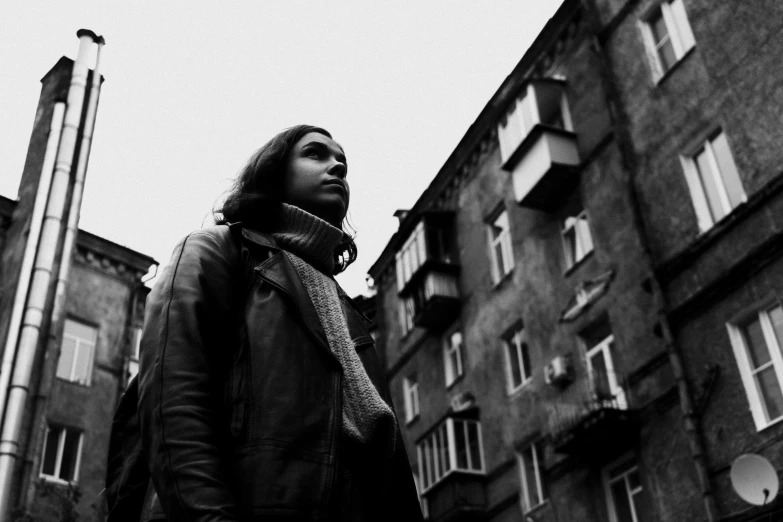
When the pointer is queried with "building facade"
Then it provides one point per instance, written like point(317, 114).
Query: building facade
point(581, 315)
point(71, 310)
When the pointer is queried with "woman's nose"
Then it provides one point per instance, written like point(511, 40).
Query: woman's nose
point(338, 169)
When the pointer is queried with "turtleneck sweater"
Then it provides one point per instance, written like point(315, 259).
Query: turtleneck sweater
point(310, 243)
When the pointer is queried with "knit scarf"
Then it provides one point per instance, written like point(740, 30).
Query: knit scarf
point(309, 243)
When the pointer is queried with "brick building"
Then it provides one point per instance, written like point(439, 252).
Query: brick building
point(581, 315)
point(71, 308)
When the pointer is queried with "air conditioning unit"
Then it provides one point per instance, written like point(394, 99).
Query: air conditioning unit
point(559, 371)
point(462, 401)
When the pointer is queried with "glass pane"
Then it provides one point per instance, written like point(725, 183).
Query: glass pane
point(82, 364)
point(82, 331)
point(65, 362)
point(600, 376)
point(658, 27)
point(473, 442)
point(622, 506)
point(461, 445)
point(728, 170)
point(666, 54)
point(530, 478)
point(586, 239)
point(707, 177)
point(50, 452)
point(641, 505)
point(444, 450)
point(776, 318)
point(633, 479)
point(769, 387)
point(501, 265)
point(525, 361)
point(757, 346)
point(70, 454)
point(513, 362)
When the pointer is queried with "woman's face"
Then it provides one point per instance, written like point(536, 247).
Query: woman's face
point(315, 178)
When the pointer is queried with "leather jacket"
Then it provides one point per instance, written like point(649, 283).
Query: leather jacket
point(240, 397)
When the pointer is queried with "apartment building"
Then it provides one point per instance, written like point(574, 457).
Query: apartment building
point(71, 311)
point(581, 315)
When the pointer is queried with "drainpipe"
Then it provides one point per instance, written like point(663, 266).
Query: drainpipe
point(52, 351)
point(620, 125)
point(33, 317)
point(25, 274)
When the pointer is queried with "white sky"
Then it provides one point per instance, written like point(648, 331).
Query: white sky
point(193, 88)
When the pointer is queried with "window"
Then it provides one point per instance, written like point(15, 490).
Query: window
point(577, 241)
point(406, 315)
point(626, 499)
point(61, 454)
point(604, 380)
point(518, 367)
point(452, 357)
point(713, 181)
point(455, 446)
point(411, 256)
point(77, 352)
point(667, 36)
point(425, 511)
point(757, 347)
point(410, 390)
point(531, 477)
point(502, 256)
point(133, 362)
point(542, 102)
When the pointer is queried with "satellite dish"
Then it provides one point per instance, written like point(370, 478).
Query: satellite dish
point(754, 479)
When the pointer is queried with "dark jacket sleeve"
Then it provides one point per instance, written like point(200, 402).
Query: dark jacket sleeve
point(180, 391)
point(405, 499)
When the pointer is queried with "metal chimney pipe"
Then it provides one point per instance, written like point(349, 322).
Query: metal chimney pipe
point(53, 344)
point(25, 274)
point(18, 389)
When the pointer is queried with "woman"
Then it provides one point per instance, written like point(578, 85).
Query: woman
point(260, 393)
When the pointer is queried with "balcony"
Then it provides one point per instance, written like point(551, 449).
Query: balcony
point(544, 167)
point(432, 297)
point(427, 272)
point(593, 415)
point(457, 497)
point(538, 146)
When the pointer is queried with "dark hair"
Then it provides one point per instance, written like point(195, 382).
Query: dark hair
point(255, 197)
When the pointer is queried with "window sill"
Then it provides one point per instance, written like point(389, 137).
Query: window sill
point(457, 379)
point(58, 481)
point(411, 421)
point(74, 383)
point(771, 424)
point(582, 260)
point(516, 392)
point(502, 281)
point(537, 507)
point(671, 69)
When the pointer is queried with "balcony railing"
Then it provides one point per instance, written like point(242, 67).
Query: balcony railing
point(432, 296)
point(544, 167)
point(459, 497)
point(593, 414)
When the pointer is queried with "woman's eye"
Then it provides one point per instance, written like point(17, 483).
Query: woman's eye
point(313, 153)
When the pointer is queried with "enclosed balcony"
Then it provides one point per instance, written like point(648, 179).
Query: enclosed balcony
point(592, 416)
point(451, 461)
point(427, 272)
point(538, 145)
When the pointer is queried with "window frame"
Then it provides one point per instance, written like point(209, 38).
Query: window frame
point(604, 347)
point(679, 32)
point(515, 339)
point(135, 355)
point(580, 225)
point(63, 430)
point(536, 451)
point(430, 472)
point(631, 464)
point(719, 173)
point(79, 345)
point(410, 390)
point(451, 374)
point(503, 239)
point(758, 407)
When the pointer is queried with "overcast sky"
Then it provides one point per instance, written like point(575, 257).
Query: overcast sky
point(193, 88)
